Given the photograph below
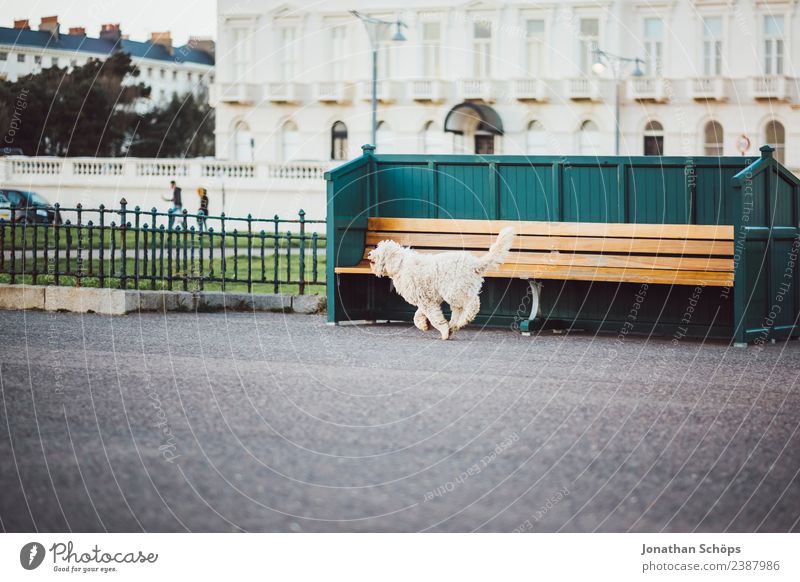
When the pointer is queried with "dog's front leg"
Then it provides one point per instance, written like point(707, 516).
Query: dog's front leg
point(436, 317)
point(455, 318)
point(420, 320)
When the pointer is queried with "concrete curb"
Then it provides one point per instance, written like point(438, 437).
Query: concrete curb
point(121, 301)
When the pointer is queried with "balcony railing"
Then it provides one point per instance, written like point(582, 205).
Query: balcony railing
point(61, 171)
point(427, 90)
point(647, 89)
point(772, 87)
point(228, 170)
point(35, 167)
point(529, 90)
point(332, 92)
point(284, 92)
point(386, 91)
point(239, 93)
point(97, 168)
point(708, 88)
point(477, 89)
point(583, 89)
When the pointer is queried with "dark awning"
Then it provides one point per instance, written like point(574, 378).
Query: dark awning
point(468, 113)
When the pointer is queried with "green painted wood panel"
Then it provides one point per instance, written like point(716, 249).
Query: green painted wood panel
point(658, 195)
point(404, 190)
point(464, 191)
point(783, 204)
point(592, 194)
point(526, 193)
point(711, 184)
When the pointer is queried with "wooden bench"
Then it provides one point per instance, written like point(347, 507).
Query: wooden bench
point(668, 254)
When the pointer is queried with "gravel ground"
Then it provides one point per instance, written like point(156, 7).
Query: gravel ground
point(270, 422)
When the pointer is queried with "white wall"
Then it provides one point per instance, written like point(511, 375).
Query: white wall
point(621, 31)
point(262, 190)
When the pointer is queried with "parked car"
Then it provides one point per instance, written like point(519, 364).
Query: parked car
point(29, 207)
point(7, 151)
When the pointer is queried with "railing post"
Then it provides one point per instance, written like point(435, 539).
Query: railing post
point(123, 228)
point(249, 253)
point(153, 242)
point(136, 213)
point(314, 245)
point(56, 235)
point(102, 243)
point(288, 257)
point(235, 235)
point(301, 257)
point(90, 244)
point(13, 245)
point(276, 254)
point(222, 247)
point(79, 259)
point(68, 233)
point(262, 236)
point(112, 229)
point(186, 265)
point(161, 254)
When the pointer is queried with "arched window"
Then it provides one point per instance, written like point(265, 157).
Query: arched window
point(775, 136)
point(535, 138)
point(654, 139)
point(385, 138)
point(589, 139)
point(290, 141)
point(713, 139)
point(339, 141)
point(432, 140)
point(242, 143)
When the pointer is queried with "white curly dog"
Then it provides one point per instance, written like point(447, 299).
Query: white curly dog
point(427, 280)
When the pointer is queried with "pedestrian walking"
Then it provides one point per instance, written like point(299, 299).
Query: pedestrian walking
point(177, 203)
point(202, 212)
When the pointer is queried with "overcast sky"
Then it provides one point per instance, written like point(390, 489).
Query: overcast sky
point(138, 18)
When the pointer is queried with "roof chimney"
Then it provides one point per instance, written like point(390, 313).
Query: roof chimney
point(78, 30)
point(202, 43)
point(50, 24)
point(162, 38)
point(110, 32)
point(22, 24)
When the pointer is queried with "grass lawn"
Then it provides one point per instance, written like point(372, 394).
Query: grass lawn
point(263, 275)
point(28, 236)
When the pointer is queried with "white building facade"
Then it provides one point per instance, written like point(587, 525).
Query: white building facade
point(168, 70)
point(511, 77)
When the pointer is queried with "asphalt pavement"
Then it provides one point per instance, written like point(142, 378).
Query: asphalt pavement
point(272, 422)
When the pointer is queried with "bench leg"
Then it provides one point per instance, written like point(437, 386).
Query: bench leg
point(536, 290)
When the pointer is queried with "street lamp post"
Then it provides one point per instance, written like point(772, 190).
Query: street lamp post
point(373, 27)
point(604, 60)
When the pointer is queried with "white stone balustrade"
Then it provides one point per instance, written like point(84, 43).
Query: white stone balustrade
point(249, 187)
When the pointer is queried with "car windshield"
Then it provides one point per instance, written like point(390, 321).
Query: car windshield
point(37, 200)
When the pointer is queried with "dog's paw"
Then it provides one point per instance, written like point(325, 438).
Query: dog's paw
point(446, 333)
point(422, 325)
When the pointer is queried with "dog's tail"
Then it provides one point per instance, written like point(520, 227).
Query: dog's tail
point(498, 251)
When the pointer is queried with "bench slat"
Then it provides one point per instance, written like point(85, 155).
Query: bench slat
point(558, 243)
point(619, 261)
point(658, 231)
point(557, 272)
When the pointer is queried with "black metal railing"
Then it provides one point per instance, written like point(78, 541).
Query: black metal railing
point(136, 249)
